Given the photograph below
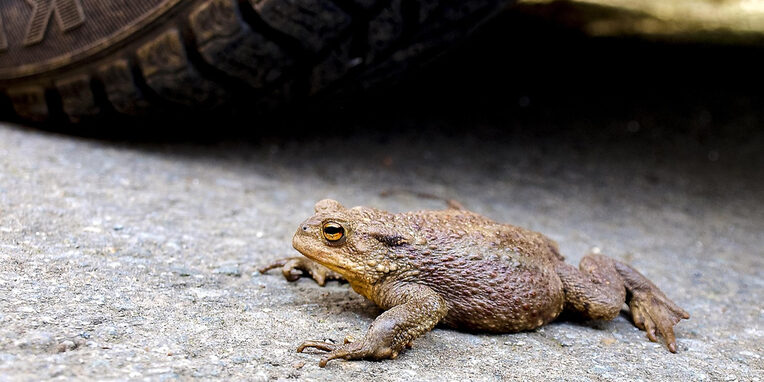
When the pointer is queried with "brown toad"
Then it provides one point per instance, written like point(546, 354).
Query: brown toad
point(460, 269)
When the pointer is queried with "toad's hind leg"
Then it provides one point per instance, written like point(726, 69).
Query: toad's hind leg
point(595, 289)
point(600, 286)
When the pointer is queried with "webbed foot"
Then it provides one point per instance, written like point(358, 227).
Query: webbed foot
point(652, 311)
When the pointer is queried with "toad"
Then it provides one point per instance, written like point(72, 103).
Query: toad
point(459, 269)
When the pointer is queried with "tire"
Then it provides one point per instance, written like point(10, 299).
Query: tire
point(79, 60)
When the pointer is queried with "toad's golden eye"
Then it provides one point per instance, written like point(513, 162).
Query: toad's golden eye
point(333, 231)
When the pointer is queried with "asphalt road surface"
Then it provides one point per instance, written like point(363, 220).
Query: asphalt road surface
point(133, 260)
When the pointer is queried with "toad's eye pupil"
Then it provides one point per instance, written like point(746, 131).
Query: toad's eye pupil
point(333, 231)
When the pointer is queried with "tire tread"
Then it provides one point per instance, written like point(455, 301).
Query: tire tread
point(277, 50)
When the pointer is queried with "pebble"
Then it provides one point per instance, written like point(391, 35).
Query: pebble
point(183, 272)
point(565, 343)
point(66, 346)
point(111, 330)
point(228, 270)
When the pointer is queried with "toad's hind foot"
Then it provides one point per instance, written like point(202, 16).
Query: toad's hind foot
point(295, 267)
point(600, 286)
point(650, 313)
point(651, 310)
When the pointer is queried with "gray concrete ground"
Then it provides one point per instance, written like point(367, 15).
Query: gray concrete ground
point(138, 261)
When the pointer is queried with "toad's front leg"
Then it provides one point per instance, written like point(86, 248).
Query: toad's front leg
point(414, 310)
point(295, 267)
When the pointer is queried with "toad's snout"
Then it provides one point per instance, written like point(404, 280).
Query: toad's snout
point(304, 235)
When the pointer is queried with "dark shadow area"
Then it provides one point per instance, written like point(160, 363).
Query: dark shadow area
point(521, 79)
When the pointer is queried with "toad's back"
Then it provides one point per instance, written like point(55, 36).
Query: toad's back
point(494, 277)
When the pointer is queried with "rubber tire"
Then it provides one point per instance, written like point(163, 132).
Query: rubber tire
point(81, 59)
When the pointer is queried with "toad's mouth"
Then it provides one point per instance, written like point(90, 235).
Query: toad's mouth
point(317, 256)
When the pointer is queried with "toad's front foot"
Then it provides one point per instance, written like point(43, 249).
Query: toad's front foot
point(349, 350)
point(651, 311)
point(417, 310)
point(295, 267)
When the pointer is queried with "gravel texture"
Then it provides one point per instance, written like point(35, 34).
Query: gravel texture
point(137, 261)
